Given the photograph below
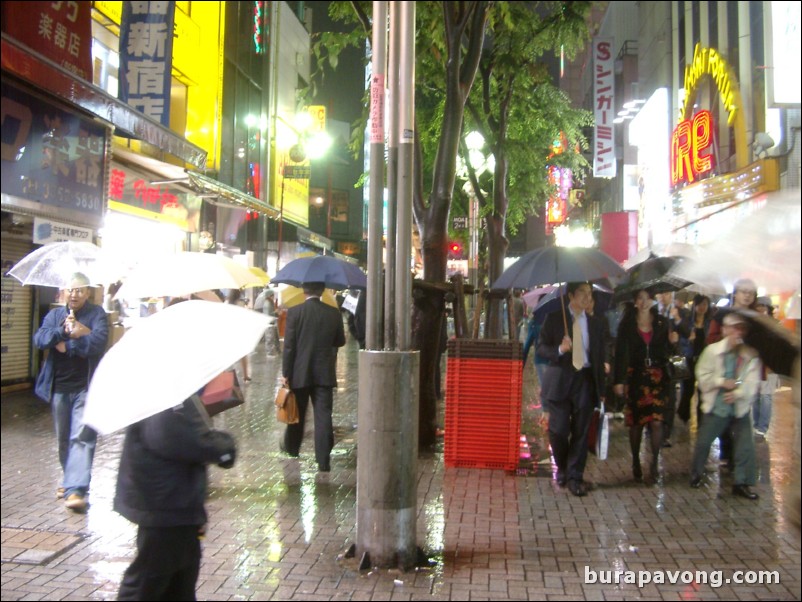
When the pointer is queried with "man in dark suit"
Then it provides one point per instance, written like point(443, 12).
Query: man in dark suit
point(573, 382)
point(313, 333)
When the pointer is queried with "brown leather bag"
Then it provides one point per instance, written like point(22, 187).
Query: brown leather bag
point(286, 406)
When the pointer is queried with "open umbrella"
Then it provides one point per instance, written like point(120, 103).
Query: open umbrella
point(263, 277)
point(334, 273)
point(672, 249)
point(194, 340)
point(652, 275)
point(764, 246)
point(290, 296)
point(550, 265)
point(551, 302)
point(778, 347)
point(54, 263)
point(185, 273)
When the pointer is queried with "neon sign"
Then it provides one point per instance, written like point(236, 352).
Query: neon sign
point(689, 140)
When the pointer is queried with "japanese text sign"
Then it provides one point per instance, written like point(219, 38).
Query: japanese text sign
point(50, 155)
point(603, 108)
point(60, 31)
point(146, 51)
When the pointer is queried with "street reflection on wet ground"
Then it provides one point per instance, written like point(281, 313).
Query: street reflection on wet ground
point(278, 529)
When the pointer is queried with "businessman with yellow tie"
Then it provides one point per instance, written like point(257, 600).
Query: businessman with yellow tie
point(573, 342)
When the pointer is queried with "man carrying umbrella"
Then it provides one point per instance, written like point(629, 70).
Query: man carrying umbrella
point(573, 382)
point(75, 336)
point(314, 332)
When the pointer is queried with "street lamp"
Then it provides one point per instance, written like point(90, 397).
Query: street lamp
point(480, 163)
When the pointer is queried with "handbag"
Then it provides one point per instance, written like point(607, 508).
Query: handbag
point(599, 433)
point(222, 393)
point(677, 367)
point(286, 406)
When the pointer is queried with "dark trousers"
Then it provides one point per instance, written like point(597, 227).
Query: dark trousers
point(738, 432)
point(166, 566)
point(569, 420)
point(322, 404)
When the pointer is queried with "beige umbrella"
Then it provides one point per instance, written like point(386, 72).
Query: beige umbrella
point(185, 273)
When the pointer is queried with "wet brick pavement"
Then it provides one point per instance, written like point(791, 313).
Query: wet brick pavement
point(278, 529)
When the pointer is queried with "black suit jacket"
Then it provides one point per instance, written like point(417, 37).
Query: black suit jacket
point(558, 374)
point(312, 335)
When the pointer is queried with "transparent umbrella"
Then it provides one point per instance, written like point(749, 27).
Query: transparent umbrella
point(195, 341)
point(765, 247)
point(54, 263)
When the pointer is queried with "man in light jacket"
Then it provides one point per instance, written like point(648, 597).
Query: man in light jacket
point(728, 374)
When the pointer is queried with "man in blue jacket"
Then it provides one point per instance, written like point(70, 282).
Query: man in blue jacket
point(75, 336)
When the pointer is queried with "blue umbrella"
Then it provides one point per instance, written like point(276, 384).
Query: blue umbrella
point(334, 273)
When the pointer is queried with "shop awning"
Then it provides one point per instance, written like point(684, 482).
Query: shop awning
point(230, 195)
point(44, 74)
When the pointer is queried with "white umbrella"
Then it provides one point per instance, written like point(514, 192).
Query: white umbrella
point(54, 263)
point(765, 246)
point(185, 273)
point(166, 358)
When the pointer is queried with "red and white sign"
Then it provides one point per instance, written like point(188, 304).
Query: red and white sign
point(61, 31)
point(603, 108)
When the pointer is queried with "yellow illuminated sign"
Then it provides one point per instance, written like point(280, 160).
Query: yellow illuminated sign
point(708, 62)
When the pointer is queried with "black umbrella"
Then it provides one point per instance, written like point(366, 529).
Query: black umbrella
point(652, 276)
point(778, 347)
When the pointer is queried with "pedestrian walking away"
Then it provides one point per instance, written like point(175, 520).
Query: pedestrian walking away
point(573, 381)
point(75, 337)
point(161, 487)
point(313, 333)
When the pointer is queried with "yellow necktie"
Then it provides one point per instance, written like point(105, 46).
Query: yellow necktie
point(578, 356)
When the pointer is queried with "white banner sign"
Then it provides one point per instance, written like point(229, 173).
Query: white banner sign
point(603, 108)
point(46, 230)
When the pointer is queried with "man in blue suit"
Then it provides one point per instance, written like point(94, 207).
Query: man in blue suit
point(312, 335)
point(573, 382)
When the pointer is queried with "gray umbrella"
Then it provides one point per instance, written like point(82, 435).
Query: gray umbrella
point(549, 265)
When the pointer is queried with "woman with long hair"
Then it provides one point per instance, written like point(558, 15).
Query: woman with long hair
point(642, 348)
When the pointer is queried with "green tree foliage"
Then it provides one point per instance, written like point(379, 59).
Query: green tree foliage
point(513, 104)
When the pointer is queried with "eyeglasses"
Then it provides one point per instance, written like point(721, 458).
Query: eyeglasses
point(81, 290)
point(745, 291)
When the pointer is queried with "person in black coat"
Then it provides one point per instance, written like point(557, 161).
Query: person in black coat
point(161, 487)
point(313, 333)
point(642, 348)
point(573, 383)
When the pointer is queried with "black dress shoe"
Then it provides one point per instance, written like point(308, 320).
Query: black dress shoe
point(637, 473)
point(696, 482)
point(324, 467)
point(577, 488)
point(744, 491)
point(561, 479)
point(284, 450)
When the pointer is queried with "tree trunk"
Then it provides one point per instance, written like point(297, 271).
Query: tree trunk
point(497, 246)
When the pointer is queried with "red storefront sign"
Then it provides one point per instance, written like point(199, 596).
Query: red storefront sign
point(60, 31)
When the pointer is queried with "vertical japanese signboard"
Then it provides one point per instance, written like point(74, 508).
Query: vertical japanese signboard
point(146, 51)
point(603, 108)
point(61, 31)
